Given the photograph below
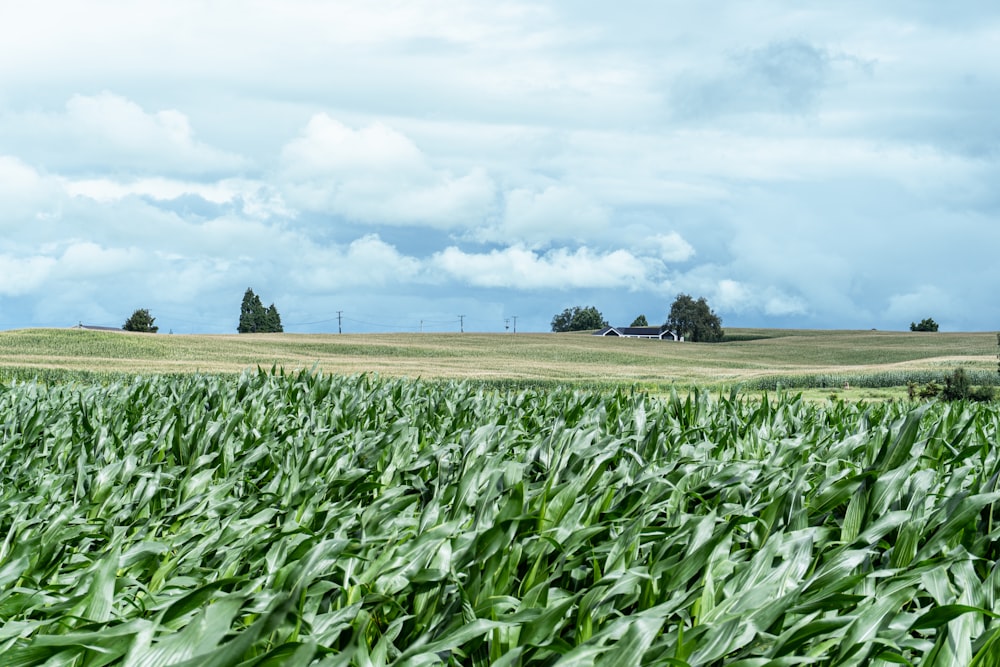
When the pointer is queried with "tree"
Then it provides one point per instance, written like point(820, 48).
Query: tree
point(254, 318)
point(272, 320)
point(694, 320)
point(639, 322)
point(578, 319)
point(925, 325)
point(140, 321)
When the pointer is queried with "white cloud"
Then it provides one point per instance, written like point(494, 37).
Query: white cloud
point(330, 148)
point(377, 175)
point(86, 260)
point(520, 268)
point(780, 305)
point(731, 295)
point(255, 199)
point(25, 194)
point(368, 261)
point(669, 247)
point(557, 212)
point(792, 165)
point(23, 275)
point(109, 132)
point(108, 189)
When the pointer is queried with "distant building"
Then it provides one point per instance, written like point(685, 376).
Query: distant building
point(92, 327)
point(661, 332)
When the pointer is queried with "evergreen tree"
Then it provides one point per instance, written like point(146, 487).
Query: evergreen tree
point(250, 313)
point(272, 320)
point(254, 318)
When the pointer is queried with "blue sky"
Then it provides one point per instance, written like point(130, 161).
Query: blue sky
point(807, 165)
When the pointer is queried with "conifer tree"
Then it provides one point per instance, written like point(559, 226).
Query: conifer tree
point(254, 318)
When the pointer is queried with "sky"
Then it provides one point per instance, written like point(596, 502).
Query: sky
point(437, 165)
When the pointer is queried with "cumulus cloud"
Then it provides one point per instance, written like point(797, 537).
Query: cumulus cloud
point(368, 261)
point(377, 175)
point(24, 192)
point(252, 198)
point(23, 275)
point(329, 147)
point(538, 217)
point(791, 166)
point(109, 132)
point(670, 247)
point(521, 268)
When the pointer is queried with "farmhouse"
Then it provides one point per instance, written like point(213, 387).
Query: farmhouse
point(93, 327)
point(661, 332)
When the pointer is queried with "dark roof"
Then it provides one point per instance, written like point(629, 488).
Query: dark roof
point(641, 331)
point(92, 327)
point(645, 332)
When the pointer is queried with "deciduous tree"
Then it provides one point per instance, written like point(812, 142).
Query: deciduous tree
point(925, 325)
point(578, 319)
point(694, 320)
point(141, 321)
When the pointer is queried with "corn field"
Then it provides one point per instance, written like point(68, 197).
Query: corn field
point(271, 519)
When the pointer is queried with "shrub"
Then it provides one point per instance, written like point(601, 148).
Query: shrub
point(930, 390)
point(956, 386)
point(981, 394)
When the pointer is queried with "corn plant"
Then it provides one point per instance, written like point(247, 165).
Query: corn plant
point(301, 519)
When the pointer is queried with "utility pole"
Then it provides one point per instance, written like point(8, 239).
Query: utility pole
point(514, 317)
point(506, 324)
point(339, 329)
point(461, 323)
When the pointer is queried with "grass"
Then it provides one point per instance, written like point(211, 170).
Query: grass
point(754, 358)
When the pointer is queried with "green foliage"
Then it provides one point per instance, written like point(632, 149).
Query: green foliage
point(694, 320)
point(956, 386)
point(254, 318)
point(982, 394)
point(140, 321)
point(301, 519)
point(930, 390)
point(579, 318)
point(924, 325)
point(640, 322)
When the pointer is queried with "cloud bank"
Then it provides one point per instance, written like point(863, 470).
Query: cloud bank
point(799, 167)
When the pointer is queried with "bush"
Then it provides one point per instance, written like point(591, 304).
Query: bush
point(956, 386)
point(981, 394)
point(929, 390)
